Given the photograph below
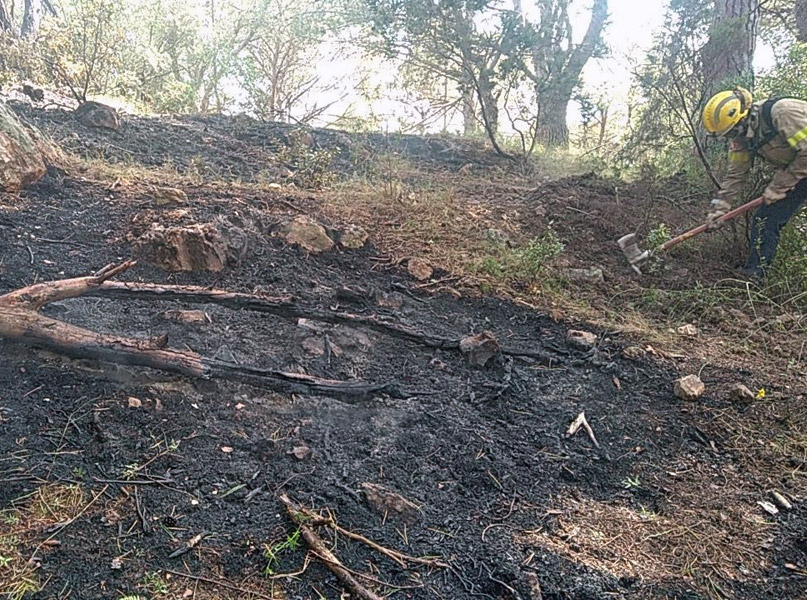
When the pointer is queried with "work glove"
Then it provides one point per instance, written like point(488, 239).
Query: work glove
point(719, 208)
point(769, 197)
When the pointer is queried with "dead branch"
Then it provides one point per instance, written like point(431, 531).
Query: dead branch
point(398, 557)
point(322, 552)
point(287, 308)
point(581, 421)
point(21, 322)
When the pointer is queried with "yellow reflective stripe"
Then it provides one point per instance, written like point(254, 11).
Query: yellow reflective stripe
point(794, 139)
point(739, 156)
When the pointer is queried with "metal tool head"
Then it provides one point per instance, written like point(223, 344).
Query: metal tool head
point(630, 248)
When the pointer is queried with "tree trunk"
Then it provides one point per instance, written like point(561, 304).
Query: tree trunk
point(554, 94)
point(729, 53)
point(6, 24)
point(31, 17)
point(552, 129)
point(470, 125)
point(800, 19)
point(603, 124)
point(488, 101)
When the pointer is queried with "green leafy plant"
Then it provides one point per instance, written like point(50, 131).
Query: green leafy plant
point(155, 584)
point(271, 553)
point(631, 483)
point(312, 166)
point(659, 235)
point(538, 252)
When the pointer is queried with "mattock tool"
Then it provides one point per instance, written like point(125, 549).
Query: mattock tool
point(636, 257)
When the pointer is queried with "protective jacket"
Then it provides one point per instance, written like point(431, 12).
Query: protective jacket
point(781, 141)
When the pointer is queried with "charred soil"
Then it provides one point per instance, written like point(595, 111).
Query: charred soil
point(176, 484)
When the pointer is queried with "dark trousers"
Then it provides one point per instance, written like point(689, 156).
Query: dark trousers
point(766, 228)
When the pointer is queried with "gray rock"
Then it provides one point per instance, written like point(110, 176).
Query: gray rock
point(479, 349)
point(740, 393)
point(581, 339)
point(95, 114)
point(588, 275)
point(306, 233)
point(354, 237)
point(689, 388)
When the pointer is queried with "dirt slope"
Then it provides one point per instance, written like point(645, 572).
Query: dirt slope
point(666, 508)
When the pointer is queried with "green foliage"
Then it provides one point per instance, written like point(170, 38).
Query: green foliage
point(85, 50)
point(529, 263)
point(536, 255)
point(790, 267)
point(789, 76)
point(278, 67)
point(272, 553)
point(660, 234)
point(312, 166)
point(631, 483)
point(179, 56)
point(155, 583)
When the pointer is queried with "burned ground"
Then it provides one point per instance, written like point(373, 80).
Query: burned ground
point(666, 508)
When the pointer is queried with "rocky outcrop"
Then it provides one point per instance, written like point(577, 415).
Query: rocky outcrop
point(24, 153)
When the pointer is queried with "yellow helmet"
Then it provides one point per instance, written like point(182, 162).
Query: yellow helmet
point(725, 109)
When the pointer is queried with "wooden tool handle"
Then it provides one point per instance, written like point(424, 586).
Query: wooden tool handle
point(701, 228)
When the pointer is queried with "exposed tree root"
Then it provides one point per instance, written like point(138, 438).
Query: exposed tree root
point(20, 321)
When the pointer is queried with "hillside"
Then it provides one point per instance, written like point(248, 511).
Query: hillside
point(120, 481)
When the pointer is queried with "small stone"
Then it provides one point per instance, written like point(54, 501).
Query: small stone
point(301, 452)
point(783, 502)
point(353, 237)
point(634, 353)
point(185, 316)
point(135, 402)
point(95, 114)
point(740, 393)
point(479, 349)
point(166, 195)
point(392, 300)
point(419, 268)
point(588, 275)
point(689, 388)
point(768, 507)
point(227, 449)
point(388, 503)
point(688, 330)
point(309, 235)
point(581, 339)
point(315, 346)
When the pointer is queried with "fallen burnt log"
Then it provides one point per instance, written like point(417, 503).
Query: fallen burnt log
point(286, 307)
point(20, 321)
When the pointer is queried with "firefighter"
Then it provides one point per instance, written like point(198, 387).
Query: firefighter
point(775, 130)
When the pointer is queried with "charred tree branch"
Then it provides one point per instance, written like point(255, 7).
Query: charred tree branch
point(21, 322)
